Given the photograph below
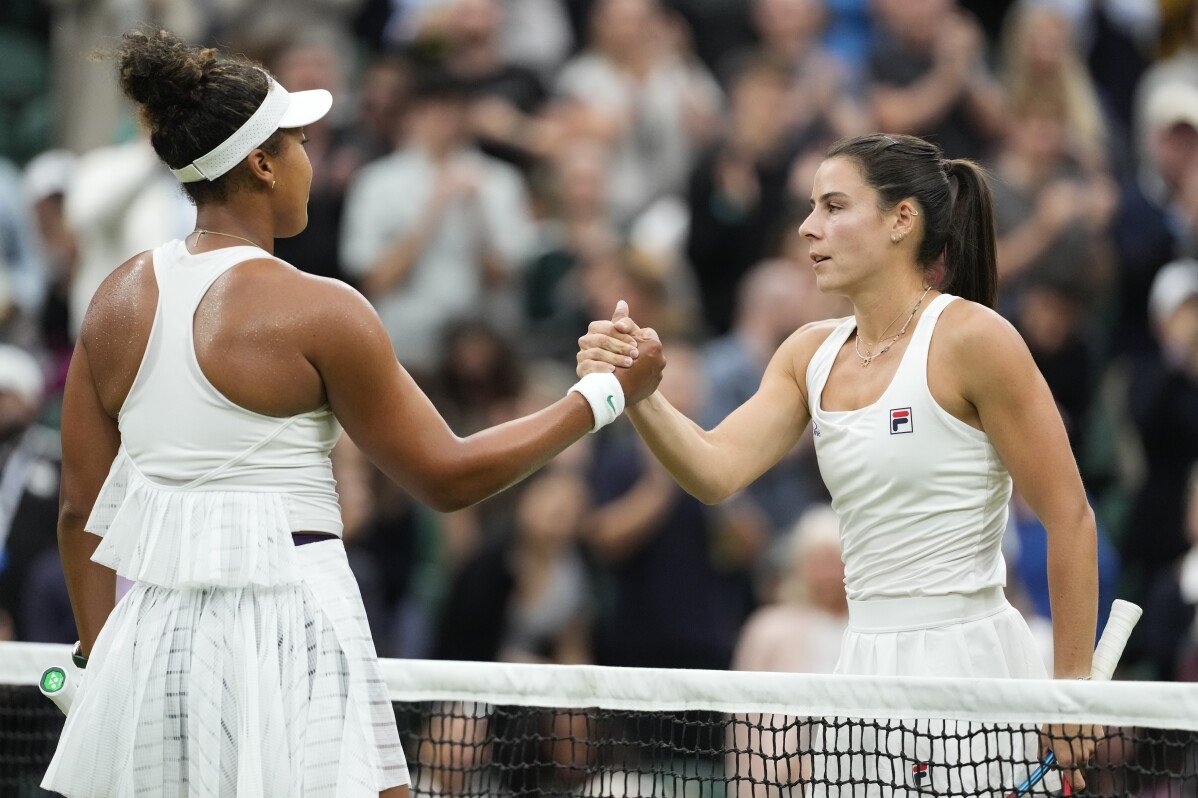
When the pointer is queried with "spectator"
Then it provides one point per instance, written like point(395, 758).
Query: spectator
point(1041, 54)
point(635, 88)
point(452, 247)
point(799, 632)
point(19, 264)
point(1170, 627)
point(524, 595)
point(928, 77)
point(505, 98)
point(121, 201)
point(575, 232)
point(335, 156)
point(1171, 120)
point(1164, 405)
point(738, 190)
point(30, 465)
point(675, 570)
point(46, 179)
point(821, 103)
point(775, 299)
point(1051, 213)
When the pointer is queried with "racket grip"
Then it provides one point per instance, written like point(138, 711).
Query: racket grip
point(1123, 618)
point(59, 685)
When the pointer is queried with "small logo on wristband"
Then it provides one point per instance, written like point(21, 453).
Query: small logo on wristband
point(611, 402)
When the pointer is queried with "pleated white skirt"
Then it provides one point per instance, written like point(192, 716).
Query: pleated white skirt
point(980, 636)
point(253, 692)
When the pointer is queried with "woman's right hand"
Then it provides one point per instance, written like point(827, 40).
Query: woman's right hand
point(633, 353)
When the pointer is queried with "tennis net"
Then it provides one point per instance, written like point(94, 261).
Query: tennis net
point(482, 729)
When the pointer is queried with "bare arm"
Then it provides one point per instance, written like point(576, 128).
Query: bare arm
point(1018, 414)
point(397, 427)
point(90, 440)
point(713, 465)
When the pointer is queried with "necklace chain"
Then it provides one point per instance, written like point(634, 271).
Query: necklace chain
point(869, 356)
point(200, 234)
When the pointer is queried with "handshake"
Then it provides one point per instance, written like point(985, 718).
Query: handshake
point(631, 354)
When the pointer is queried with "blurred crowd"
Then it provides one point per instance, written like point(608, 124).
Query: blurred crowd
point(496, 173)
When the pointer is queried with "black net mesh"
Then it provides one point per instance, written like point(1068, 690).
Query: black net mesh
point(471, 749)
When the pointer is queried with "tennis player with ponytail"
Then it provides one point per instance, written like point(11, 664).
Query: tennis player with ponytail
point(925, 406)
point(208, 385)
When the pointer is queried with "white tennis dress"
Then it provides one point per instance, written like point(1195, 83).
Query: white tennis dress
point(239, 664)
point(922, 499)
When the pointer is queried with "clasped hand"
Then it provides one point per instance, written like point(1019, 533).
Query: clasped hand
point(620, 346)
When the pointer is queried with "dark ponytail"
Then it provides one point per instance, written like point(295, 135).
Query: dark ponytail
point(954, 200)
point(191, 100)
point(970, 253)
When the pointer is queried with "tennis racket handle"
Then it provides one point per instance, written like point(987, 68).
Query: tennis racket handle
point(59, 685)
point(1124, 616)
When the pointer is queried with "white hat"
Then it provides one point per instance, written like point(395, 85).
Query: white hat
point(48, 174)
point(1172, 103)
point(280, 109)
point(20, 374)
point(1173, 285)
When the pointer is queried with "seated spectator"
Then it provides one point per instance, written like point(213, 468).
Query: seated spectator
point(454, 244)
point(799, 632)
point(632, 87)
point(928, 77)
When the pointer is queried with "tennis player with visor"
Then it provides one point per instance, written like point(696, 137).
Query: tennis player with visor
point(207, 388)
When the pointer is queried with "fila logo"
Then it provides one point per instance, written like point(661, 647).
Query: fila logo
point(900, 421)
point(919, 772)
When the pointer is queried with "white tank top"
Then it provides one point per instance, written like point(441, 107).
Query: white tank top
point(922, 496)
point(204, 492)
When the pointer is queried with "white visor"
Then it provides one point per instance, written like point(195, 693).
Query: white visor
point(280, 109)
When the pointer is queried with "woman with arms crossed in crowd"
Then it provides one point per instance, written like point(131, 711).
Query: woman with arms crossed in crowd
point(201, 405)
point(925, 406)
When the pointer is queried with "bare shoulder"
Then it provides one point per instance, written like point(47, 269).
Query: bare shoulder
point(982, 350)
point(328, 313)
point(122, 307)
point(802, 344)
point(973, 333)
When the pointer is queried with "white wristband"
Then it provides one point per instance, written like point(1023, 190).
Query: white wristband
point(604, 394)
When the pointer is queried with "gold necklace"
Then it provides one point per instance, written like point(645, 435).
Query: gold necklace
point(868, 358)
point(200, 234)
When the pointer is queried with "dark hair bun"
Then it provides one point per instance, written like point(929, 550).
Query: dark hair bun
point(163, 74)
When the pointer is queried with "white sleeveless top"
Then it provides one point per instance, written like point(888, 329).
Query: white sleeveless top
point(921, 495)
point(204, 492)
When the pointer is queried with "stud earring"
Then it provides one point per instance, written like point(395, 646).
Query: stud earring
point(272, 183)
